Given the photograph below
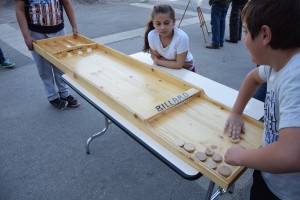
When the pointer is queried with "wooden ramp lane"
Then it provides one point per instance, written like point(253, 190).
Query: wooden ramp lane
point(200, 121)
point(161, 105)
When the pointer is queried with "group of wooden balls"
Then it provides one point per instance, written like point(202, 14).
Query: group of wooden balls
point(203, 157)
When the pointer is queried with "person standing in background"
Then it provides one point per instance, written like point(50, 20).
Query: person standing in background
point(235, 22)
point(219, 10)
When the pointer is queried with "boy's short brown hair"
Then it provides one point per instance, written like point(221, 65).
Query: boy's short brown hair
point(282, 16)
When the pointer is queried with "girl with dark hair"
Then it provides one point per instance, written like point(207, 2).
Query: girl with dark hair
point(167, 44)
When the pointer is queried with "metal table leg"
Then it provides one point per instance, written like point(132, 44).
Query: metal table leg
point(210, 190)
point(220, 191)
point(107, 123)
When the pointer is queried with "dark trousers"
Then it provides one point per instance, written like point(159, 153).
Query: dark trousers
point(259, 189)
point(235, 23)
point(261, 92)
point(218, 22)
point(1, 56)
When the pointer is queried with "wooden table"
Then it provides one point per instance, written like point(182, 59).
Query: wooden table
point(213, 89)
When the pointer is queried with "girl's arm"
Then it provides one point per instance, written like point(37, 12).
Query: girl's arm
point(173, 64)
point(154, 55)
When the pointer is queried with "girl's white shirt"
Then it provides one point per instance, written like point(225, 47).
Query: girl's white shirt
point(178, 45)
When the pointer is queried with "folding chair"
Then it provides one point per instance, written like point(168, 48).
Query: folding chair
point(201, 19)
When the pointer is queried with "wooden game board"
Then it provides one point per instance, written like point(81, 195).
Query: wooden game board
point(164, 107)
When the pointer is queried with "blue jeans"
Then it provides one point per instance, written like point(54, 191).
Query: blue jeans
point(218, 22)
point(51, 76)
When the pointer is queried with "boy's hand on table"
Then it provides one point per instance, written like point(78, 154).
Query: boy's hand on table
point(232, 155)
point(234, 125)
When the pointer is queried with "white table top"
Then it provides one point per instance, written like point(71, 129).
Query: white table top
point(213, 89)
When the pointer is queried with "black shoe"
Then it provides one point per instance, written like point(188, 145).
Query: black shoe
point(58, 103)
point(213, 46)
point(72, 102)
point(221, 45)
point(231, 41)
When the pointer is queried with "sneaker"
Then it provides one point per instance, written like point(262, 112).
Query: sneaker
point(7, 63)
point(58, 103)
point(72, 102)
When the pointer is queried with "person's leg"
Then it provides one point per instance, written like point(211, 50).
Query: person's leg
point(234, 23)
point(223, 14)
point(215, 24)
point(259, 189)
point(62, 87)
point(1, 56)
point(240, 29)
point(44, 68)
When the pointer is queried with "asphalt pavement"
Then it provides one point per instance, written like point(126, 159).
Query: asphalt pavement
point(42, 149)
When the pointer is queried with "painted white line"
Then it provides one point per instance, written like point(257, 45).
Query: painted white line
point(177, 11)
point(120, 36)
point(140, 32)
point(13, 37)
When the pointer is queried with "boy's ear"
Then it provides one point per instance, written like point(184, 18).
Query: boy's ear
point(266, 35)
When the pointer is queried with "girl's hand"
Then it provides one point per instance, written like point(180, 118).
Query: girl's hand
point(154, 58)
point(232, 155)
point(234, 125)
point(188, 65)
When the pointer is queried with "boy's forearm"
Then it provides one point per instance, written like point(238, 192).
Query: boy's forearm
point(282, 156)
point(261, 159)
point(246, 92)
